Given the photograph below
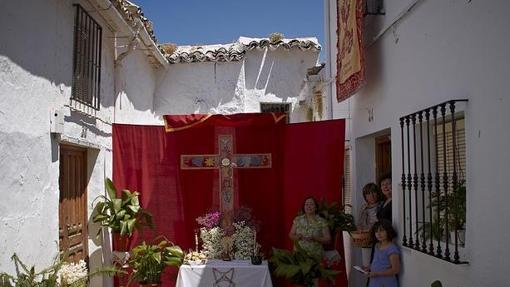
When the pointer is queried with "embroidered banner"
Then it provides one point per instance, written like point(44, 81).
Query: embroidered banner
point(350, 56)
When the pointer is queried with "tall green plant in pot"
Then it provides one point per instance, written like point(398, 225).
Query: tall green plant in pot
point(150, 260)
point(298, 267)
point(456, 219)
point(123, 214)
point(336, 216)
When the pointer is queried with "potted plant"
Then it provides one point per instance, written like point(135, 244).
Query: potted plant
point(300, 268)
point(456, 220)
point(336, 216)
point(148, 261)
point(123, 214)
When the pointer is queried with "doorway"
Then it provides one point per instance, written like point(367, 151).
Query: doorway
point(382, 156)
point(73, 237)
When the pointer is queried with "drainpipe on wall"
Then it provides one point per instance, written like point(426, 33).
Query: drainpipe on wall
point(115, 19)
point(131, 46)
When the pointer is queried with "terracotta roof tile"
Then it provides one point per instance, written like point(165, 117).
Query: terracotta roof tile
point(236, 51)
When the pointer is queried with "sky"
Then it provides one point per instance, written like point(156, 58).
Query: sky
point(195, 22)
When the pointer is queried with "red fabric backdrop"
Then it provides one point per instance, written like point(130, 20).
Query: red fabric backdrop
point(307, 159)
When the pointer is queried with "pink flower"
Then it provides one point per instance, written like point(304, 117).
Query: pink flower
point(210, 220)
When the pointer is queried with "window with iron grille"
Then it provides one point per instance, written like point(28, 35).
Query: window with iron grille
point(86, 60)
point(275, 108)
point(433, 180)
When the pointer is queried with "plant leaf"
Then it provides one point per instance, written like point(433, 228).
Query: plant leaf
point(131, 225)
point(110, 188)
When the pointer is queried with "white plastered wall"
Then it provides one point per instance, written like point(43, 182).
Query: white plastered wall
point(443, 50)
point(36, 60)
point(135, 86)
point(235, 87)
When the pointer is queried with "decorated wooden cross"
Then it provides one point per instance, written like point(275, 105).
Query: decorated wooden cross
point(225, 161)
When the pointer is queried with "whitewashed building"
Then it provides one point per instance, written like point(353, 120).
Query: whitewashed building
point(70, 69)
point(420, 54)
point(64, 66)
point(250, 75)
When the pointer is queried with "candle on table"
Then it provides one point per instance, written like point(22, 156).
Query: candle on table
point(196, 242)
point(254, 242)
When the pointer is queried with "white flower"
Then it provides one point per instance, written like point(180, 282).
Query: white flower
point(243, 241)
point(211, 238)
point(70, 273)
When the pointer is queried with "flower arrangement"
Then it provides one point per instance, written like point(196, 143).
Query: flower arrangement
point(243, 241)
point(210, 220)
point(228, 235)
point(212, 241)
point(73, 274)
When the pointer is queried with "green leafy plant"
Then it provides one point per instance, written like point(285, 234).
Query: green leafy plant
point(148, 261)
point(122, 214)
point(336, 216)
point(47, 277)
point(28, 276)
point(298, 267)
point(456, 219)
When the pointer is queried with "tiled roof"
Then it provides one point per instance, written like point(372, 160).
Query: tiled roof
point(209, 53)
point(130, 12)
point(236, 51)
point(303, 44)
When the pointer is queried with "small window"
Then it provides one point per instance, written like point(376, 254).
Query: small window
point(86, 60)
point(275, 108)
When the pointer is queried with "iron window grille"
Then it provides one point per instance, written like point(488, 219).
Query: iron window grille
point(433, 183)
point(86, 59)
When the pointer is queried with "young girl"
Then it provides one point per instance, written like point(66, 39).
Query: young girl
point(386, 262)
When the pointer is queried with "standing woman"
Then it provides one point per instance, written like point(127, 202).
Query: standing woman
point(384, 211)
point(310, 230)
point(368, 211)
point(368, 216)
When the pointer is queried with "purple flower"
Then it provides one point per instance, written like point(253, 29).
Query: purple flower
point(210, 220)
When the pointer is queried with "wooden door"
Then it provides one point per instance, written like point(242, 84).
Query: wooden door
point(73, 203)
point(382, 156)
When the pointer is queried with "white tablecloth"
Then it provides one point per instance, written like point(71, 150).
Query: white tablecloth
point(218, 273)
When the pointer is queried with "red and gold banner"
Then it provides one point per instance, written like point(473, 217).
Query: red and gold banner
point(350, 57)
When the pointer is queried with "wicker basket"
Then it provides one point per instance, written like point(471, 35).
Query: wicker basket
point(361, 238)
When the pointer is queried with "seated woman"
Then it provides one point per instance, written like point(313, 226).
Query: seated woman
point(310, 230)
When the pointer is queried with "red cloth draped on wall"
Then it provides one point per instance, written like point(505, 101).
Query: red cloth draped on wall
point(350, 54)
point(305, 159)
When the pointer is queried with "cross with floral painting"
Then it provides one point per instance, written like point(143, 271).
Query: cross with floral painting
point(226, 160)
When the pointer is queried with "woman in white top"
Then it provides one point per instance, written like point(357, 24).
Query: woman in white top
point(368, 212)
